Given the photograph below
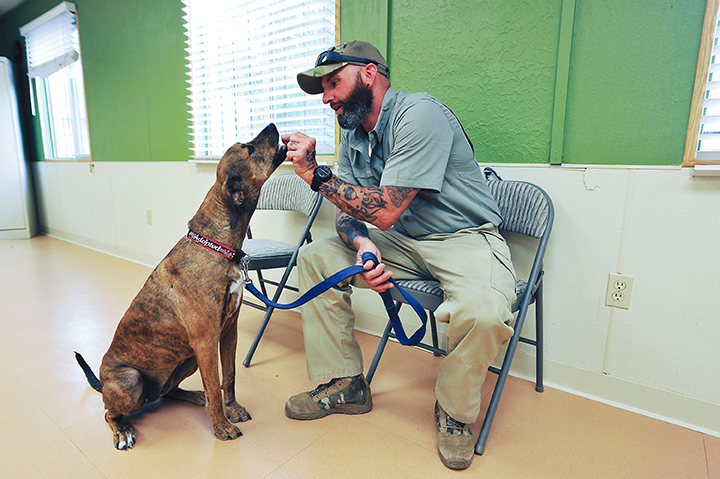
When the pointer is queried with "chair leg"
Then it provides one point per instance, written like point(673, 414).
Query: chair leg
point(502, 377)
point(539, 387)
point(268, 311)
point(262, 283)
point(258, 336)
point(378, 352)
point(433, 330)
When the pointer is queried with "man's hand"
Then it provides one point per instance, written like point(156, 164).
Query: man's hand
point(376, 277)
point(301, 151)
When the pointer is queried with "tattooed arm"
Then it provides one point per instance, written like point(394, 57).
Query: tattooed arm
point(355, 234)
point(378, 206)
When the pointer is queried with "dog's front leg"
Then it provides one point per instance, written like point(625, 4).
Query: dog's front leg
point(228, 347)
point(206, 353)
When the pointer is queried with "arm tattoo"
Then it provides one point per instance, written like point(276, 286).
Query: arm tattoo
point(398, 195)
point(348, 228)
point(364, 203)
point(310, 158)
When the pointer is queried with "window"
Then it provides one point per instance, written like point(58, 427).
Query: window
point(243, 59)
point(702, 145)
point(53, 51)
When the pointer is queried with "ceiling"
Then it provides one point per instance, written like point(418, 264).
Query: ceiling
point(7, 5)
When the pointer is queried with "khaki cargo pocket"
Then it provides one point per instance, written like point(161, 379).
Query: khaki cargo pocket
point(503, 273)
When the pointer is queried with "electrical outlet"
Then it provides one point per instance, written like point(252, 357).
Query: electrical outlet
point(148, 216)
point(619, 289)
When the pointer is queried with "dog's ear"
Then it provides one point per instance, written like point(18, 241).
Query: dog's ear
point(234, 199)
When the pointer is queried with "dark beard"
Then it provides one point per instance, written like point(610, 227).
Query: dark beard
point(356, 107)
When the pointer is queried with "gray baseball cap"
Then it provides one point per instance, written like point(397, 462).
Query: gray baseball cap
point(355, 52)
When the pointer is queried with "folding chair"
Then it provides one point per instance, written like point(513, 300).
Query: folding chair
point(288, 193)
point(526, 210)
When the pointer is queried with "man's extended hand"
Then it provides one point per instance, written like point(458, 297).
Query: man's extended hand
point(301, 151)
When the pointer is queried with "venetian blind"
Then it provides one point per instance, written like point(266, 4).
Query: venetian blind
point(52, 41)
point(243, 59)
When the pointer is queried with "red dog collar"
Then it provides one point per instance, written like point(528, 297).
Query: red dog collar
point(220, 248)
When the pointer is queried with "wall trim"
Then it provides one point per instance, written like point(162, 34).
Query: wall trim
point(665, 406)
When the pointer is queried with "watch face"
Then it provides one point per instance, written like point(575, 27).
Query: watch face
point(323, 172)
point(320, 176)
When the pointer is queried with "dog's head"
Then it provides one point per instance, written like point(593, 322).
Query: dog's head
point(245, 167)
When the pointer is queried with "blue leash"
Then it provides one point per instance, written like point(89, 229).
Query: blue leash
point(342, 275)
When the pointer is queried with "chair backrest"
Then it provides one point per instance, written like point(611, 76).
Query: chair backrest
point(525, 208)
point(288, 192)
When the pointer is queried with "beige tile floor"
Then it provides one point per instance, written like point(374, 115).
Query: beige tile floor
point(56, 298)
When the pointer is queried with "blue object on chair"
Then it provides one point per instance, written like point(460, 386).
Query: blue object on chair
point(527, 210)
point(287, 193)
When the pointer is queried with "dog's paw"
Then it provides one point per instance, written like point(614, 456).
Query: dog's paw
point(227, 432)
point(124, 438)
point(236, 413)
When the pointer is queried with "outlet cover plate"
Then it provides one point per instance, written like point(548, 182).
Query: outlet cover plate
point(619, 290)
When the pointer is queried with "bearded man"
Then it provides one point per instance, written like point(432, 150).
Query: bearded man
point(405, 166)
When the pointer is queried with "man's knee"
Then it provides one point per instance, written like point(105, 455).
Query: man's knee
point(483, 319)
point(322, 258)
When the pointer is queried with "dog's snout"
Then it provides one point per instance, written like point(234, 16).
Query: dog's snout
point(271, 131)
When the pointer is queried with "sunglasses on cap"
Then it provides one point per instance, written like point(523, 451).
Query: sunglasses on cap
point(331, 56)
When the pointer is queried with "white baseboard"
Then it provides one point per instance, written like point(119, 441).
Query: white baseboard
point(666, 406)
point(128, 254)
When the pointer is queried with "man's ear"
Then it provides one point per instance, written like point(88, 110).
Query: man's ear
point(369, 72)
point(234, 199)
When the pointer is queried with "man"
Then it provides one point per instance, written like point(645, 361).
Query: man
point(405, 166)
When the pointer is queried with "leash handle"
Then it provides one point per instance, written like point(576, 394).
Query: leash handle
point(392, 309)
point(390, 306)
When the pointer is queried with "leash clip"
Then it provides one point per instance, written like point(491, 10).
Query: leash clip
point(244, 262)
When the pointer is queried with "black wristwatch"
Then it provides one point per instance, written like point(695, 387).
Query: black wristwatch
point(320, 176)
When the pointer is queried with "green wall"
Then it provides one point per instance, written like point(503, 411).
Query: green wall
point(495, 63)
point(533, 81)
point(134, 67)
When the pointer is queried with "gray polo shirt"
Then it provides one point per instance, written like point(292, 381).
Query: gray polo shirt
point(419, 143)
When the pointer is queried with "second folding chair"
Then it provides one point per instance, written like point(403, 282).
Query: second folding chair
point(287, 193)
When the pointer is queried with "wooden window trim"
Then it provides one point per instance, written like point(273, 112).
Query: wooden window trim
point(701, 78)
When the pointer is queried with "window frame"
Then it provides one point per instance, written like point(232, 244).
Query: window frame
point(47, 74)
point(707, 39)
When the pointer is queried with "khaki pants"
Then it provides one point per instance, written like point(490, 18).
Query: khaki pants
point(477, 276)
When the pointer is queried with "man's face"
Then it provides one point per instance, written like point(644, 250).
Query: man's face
point(348, 96)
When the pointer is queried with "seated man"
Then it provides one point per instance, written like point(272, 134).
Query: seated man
point(406, 166)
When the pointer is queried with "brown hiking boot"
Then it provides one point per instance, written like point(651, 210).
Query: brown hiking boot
point(455, 440)
point(339, 396)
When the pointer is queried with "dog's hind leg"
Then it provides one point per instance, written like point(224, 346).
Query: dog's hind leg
point(123, 393)
point(228, 346)
point(195, 397)
point(183, 371)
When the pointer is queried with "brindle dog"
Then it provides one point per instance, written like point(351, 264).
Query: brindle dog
point(188, 308)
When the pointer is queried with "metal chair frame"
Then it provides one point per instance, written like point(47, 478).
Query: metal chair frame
point(287, 193)
point(537, 207)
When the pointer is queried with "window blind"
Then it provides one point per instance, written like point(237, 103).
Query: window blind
point(52, 41)
point(243, 60)
point(709, 138)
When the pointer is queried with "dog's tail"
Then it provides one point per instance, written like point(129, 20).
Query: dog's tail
point(92, 379)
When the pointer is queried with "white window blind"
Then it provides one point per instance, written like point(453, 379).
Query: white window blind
point(243, 59)
point(52, 41)
point(709, 138)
